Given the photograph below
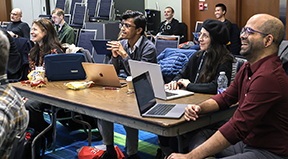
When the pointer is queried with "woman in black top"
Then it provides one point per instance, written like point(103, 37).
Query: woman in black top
point(203, 68)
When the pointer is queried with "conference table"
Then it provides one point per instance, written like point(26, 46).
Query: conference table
point(120, 107)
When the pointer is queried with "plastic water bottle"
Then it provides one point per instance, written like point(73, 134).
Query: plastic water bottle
point(222, 82)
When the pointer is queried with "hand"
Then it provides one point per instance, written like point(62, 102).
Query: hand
point(11, 33)
point(191, 112)
point(24, 99)
point(184, 82)
point(172, 85)
point(117, 49)
point(178, 156)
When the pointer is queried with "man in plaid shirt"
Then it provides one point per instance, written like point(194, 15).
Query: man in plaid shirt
point(13, 115)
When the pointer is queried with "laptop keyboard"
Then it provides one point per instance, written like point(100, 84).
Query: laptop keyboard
point(161, 109)
point(168, 94)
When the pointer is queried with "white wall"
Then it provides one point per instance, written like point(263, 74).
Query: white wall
point(175, 4)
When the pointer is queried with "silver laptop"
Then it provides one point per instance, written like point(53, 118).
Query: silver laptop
point(138, 67)
point(102, 74)
point(147, 103)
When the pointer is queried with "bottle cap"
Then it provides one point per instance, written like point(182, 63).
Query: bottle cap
point(222, 73)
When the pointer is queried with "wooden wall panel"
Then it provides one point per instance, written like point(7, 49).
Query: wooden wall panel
point(251, 7)
point(5, 9)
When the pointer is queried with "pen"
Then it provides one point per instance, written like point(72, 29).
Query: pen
point(111, 88)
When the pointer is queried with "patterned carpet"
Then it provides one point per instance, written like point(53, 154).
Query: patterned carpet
point(68, 142)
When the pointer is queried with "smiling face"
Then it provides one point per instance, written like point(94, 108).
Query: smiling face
point(219, 13)
point(204, 39)
point(168, 14)
point(37, 34)
point(253, 42)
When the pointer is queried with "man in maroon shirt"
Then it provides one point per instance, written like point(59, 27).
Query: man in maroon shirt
point(259, 127)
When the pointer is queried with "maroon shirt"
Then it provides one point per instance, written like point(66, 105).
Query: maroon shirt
point(261, 120)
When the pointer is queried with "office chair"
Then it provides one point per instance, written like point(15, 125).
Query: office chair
point(84, 40)
point(105, 11)
point(59, 4)
point(183, 36)
point(198, 26)
point(79, 15)
point(162, 44)
point(92, 6)
point(67, 18)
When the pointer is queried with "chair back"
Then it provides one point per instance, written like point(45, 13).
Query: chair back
point(79, 15)
point(198, 26)
point(72, 5)
point(67, 18)
point(183, 36)
point(162, 44)
point(283, 54)
point(105, 9)
point(60, 4)
point(92, 7)
point(84, 39)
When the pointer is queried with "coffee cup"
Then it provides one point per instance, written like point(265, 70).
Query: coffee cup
point(129, 84)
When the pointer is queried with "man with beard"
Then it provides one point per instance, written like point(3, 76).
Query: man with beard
point(220, 12)
point(134, 46)
point(18, 28)
point(259, 126)
point(171, 25)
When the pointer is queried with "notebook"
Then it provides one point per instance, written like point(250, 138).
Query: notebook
point(100, 46)
point(138, 67)
point(102, 74)
point(64, 67)
point(147, 103)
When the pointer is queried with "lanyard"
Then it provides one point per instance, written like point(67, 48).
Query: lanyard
point(199, 67)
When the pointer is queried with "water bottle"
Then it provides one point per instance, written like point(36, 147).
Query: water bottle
point(222, 82)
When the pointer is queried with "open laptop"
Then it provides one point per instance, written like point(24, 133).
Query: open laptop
point(64, 67)
point(147, 103)
point(100, 46)
point(102, 74)
point(138, 67)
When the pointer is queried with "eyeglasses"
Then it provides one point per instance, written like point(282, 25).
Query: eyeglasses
point(248, 30)
point(125, 25)
point(198, 34)
point(13, 14)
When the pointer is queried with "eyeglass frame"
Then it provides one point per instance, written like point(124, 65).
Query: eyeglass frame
point(14, 14)
point(243, 30)
point(198, 34)
point(126, 25)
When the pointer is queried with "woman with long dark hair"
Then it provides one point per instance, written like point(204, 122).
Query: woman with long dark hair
point(46, 42)
point(203, 68)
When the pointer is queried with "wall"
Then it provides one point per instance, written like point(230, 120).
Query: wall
point(175, 4)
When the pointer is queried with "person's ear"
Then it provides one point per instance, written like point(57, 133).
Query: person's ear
point(139, 30)
point(268, 40)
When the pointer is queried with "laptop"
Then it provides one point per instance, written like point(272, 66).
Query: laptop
point(100, 46)
point(102, 74)
point(147, 103)
point(64, 67)
point(138, 67)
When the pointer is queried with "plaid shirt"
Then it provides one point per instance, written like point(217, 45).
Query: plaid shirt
point(13, 117)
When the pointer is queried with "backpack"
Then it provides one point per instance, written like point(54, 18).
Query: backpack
point(39, 145)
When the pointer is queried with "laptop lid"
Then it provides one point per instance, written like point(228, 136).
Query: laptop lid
point(146, 99)
point(102, 74)
point(138, 67)
point(64, 67)
point(100, 46)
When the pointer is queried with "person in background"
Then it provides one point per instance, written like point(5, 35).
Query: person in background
point(171, 25)
point(203, 68)
point(47, 42)
point(259, 126)
point(220, 12)
point(17, 28)
point(65, 32)
point(14, 117)
point(134, 46)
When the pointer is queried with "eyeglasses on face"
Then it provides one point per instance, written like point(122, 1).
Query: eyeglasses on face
point(248, 30)
point(125, 25)
point(13, 14)
point(198, 34)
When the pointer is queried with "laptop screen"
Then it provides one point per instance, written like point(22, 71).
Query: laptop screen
point(144, 92)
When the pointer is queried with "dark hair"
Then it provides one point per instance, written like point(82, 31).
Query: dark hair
point(50, 40)
point(222, 6)
point(170, 8)
point(216, 55)
point(139, 19)
point(4, 52)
